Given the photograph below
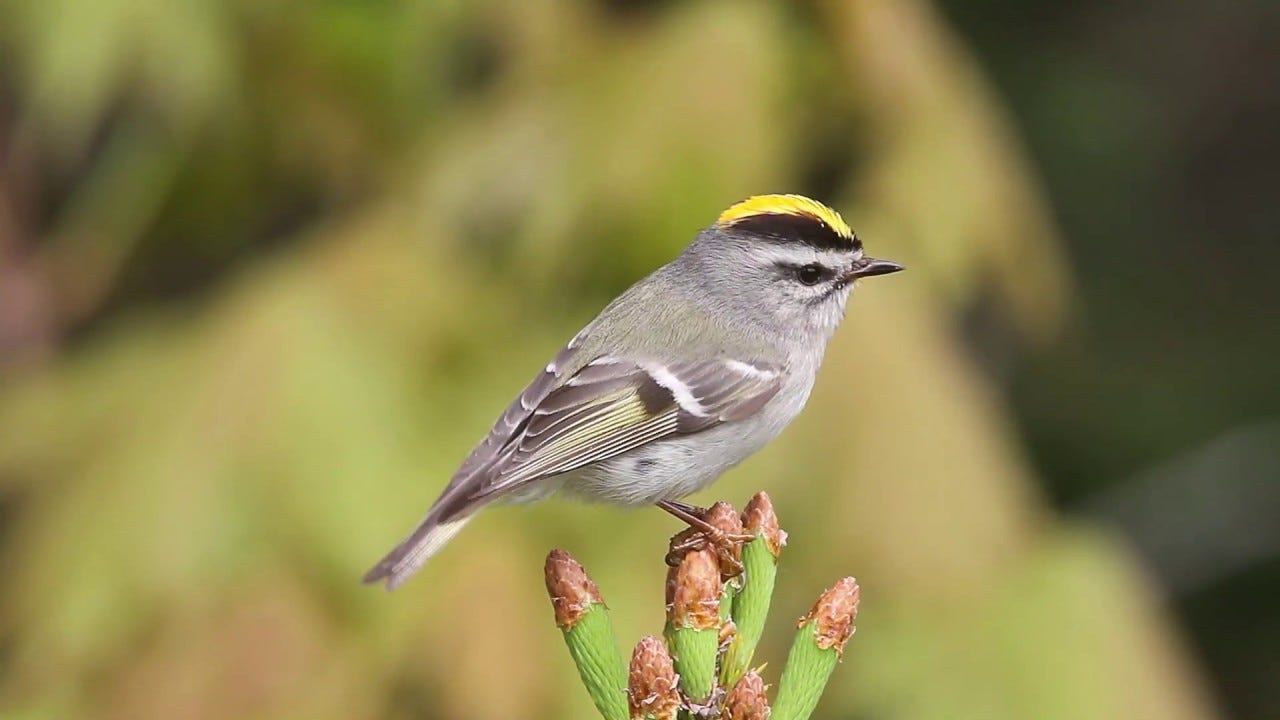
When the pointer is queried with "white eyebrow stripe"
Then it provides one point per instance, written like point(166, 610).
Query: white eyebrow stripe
point(679, 390)
point(798, 255)
point(802, 255)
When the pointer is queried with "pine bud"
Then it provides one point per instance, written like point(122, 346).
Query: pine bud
point(572, 591)
point(747, 700)
point(759, 519)
point(695, 595)
point(834, 615)
point(725, 518)
point(651, 689)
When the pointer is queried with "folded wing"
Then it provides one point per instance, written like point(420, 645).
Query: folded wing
point(616, 404)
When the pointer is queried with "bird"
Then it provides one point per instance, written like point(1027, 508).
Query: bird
point(684, 375)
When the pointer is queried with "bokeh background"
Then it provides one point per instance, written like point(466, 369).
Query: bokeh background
point(269, 268)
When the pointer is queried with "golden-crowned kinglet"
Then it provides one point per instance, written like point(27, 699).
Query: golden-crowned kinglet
point(683, 376)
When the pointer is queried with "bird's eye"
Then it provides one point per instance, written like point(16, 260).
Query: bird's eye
point(810, 274)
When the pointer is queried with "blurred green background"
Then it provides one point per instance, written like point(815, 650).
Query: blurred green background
point(268, 268)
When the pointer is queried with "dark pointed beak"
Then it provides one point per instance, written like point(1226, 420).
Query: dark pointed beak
point(870, 267)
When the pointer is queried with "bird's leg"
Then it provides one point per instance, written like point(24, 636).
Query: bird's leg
point(682, 507)
point(691, 514)
point(701, 534)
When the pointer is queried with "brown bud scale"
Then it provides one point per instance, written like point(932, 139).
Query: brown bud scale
point(728, 631)
point(695, 599)
point(652, 683)
point(759, 519)
point(673, 573)
point(834, 615)
point(725, 518)
point(572, 591)
point(747, 700)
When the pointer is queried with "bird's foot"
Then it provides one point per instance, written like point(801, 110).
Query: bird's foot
point(701, 535)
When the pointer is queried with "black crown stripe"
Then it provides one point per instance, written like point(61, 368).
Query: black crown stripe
point(796, 228)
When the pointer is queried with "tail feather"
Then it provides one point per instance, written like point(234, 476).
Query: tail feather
point(410, 555)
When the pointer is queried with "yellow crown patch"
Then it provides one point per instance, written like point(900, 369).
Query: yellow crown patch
point(797, 205)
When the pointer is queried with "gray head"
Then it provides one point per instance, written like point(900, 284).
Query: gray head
point(790, 258)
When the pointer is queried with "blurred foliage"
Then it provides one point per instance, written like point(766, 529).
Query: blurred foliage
point(267, 269)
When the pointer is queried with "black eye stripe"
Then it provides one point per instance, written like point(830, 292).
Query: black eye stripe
point(806, 273)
